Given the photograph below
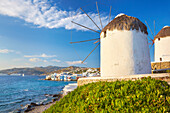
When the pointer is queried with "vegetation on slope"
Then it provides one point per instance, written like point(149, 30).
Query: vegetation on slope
point(31, 71)
point(40, 70)
point(146, 95)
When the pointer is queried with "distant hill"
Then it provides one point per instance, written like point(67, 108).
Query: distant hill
point(72, 69)
point(39, 70)
point(32, 71)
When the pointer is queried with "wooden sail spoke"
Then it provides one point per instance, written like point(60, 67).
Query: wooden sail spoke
point(149, 28)
point(150, 38)
point(154, 27)
point(91, 19)
point(97, 41)
point(110, 13)
point(99, 15)
point(150, 43)
point(85, 27)
point(151, 46)
point(84, 40)
point(90, 53)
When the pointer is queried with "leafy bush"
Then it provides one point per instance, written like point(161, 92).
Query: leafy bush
point(167, 71)
point(146, 95)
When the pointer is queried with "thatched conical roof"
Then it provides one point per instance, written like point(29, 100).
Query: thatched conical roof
point(124, 22)
point(165, 31)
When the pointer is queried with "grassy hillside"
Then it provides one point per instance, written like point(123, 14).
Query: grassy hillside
point(146, 95)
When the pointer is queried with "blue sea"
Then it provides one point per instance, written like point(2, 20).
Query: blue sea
point(16, 91)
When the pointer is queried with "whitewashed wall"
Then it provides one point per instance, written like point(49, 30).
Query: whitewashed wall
point(162, 49)
point(124, 53)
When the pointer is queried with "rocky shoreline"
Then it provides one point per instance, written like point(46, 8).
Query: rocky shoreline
point(39, 107)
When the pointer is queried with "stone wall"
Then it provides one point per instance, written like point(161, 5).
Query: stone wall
point(160, 65)
point(163, 76)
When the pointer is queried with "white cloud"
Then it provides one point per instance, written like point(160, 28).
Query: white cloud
point(35, 60)
point(43, 14)
point(6, 51)
point(45, 61)
point(9, 51)
point(55, 60)
point(42, 56)
point(73, 62)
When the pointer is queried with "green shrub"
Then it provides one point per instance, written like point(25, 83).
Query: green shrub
point(167, 71)
point(146, 95)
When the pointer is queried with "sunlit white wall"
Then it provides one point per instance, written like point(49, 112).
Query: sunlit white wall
point(124, 53)
point(162, 49)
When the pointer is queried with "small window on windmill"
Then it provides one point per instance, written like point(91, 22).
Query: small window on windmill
point(160, 59)
point(104, 34)
point(158, 39)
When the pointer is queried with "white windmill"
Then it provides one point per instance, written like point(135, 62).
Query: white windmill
point(162, 41)
point(124, 48)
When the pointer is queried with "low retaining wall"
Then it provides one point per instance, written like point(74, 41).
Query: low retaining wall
point(162, 76)
point(68, 88)
point(160, 65)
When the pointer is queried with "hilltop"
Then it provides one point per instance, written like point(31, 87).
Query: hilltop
point(41, 70)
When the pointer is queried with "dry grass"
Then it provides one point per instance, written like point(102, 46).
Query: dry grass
point(125, 22)
point(163, 33)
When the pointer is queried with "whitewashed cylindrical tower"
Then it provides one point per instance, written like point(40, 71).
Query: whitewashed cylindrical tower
point(124, 48)
point(162, 45)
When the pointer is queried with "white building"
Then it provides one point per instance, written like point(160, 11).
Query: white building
point(54, 76)
point(89, 70)
point(48, 77)
point(124, 48)
point(162, 45)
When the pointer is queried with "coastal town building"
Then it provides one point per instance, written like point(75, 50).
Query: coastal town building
point(124, 48)
point(71, 76)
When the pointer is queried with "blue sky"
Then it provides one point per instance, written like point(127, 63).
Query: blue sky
point(38, 32)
